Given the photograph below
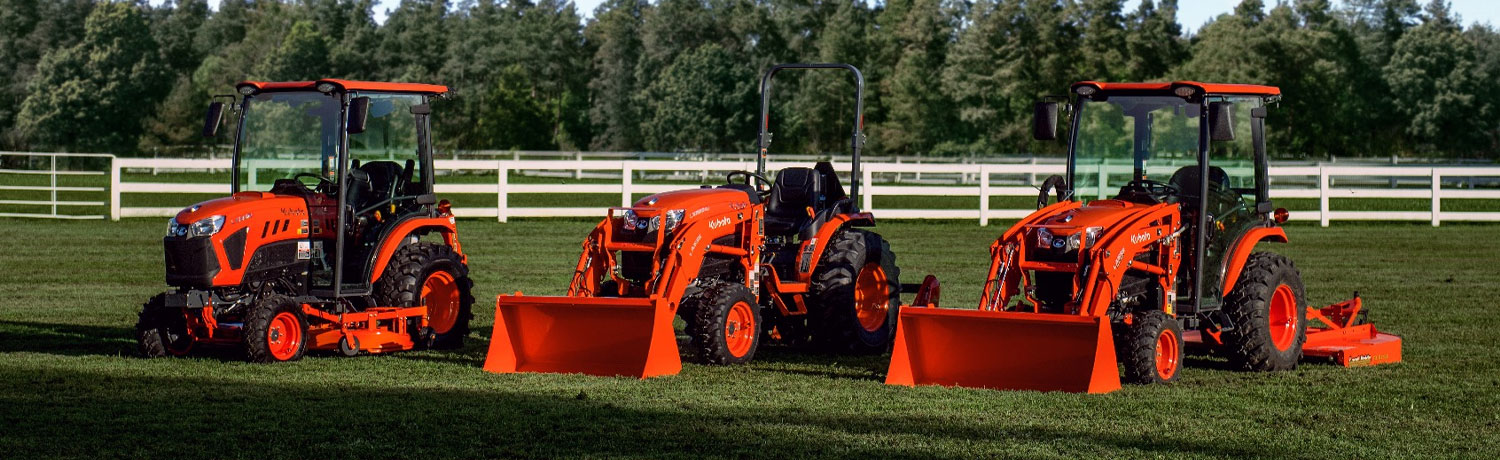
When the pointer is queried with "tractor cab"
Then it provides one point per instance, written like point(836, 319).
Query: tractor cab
point(1201, 146)
point(357, 153)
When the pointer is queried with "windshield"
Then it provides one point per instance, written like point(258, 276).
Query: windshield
point(291, 133)
point(1123, 137)
point(288, 133)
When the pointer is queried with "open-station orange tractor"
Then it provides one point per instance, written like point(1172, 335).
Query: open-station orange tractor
point(751, 259)
point(331, 239)
point(1149, 248)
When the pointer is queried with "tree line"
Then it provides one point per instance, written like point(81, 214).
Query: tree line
point(943, 77)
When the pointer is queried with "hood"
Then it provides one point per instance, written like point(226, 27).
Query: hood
point(696, 201)
point(1101, 213)
point(228, 205)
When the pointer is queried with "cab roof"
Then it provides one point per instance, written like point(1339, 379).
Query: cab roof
point(1206, 88)
point(349, 85)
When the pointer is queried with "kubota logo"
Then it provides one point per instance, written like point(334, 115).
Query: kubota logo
point(1140, 238)
point(720, 222)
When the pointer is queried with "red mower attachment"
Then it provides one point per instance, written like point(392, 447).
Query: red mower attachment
point(1349, 338)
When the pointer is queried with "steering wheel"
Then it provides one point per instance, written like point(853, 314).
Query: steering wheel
point(324, 185)
point(1054, 182)
point(1158, 191)
point(763, 185)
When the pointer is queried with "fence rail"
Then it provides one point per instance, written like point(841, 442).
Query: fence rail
point(34, 164)
point(628, 178)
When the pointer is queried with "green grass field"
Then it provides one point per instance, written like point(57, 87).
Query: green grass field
point(69, 292)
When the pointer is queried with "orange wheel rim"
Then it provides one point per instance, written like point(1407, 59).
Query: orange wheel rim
point(1166, 354)
point(739, 329)
point(871, 298)
point(284, 336)
point(440, 295)
point(1283, 317)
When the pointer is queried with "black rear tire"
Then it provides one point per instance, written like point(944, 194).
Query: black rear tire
point(834, 316)
point(160, 331)
point(1252, 345)
point(720, 310)
point(411, 267)
point(1146, 358)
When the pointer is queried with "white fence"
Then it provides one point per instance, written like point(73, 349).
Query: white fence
point(22, 167)
point(981, 181)
point(67, 187)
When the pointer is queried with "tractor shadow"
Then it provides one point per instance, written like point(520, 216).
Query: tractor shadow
point(65, 339)
point(148, 414)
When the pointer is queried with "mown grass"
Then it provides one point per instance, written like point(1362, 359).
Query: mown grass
point(69, 292)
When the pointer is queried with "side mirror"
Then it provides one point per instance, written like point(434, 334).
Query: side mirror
point(359, 113)
point(211, 121)
point(1044, 121)
point(427, 198)
point(1221, 121)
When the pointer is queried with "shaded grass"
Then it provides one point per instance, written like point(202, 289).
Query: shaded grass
point(70, 388)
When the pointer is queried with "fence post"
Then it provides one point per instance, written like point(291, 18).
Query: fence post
point(984, 196)
point(627, 179)
point(1437, 188)
point(114, 188)
point(867, 199)
point(1323, 196)
point(502, 191)
point(54, 185)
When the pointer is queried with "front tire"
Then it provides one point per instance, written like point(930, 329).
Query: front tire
point(724, 323)
point(275, 330)
point(1152, 348)
point(1269, 313)
point(161, 331)
point(436, 276)
point(856, 290)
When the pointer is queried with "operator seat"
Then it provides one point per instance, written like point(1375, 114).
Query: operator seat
point(795, 190)
point(1187, 182)
point(383, 180)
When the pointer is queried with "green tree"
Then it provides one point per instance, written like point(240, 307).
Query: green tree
point(1154, 41)
point(918, 115)
point(28, 30)
point(1438, 86)
point(511, 118)
point(701, 102)
point(615, 32)
point(1103, 43)
point(303, 55)
point(92, 96)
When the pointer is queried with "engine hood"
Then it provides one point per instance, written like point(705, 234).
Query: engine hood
point(1101, 213)
point(696, 201)
point(233, 206)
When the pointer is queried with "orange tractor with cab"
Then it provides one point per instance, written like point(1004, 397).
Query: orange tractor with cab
point(331, 239)
point(1149, 247)
point(740, 262)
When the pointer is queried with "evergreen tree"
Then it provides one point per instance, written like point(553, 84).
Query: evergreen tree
point(918, 114)
point(1154, 41)
point(615, 31)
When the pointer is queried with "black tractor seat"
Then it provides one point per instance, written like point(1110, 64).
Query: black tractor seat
point(795, 190)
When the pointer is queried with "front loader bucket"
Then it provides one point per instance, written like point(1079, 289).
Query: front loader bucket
point(588, 335)
point(1003, 351)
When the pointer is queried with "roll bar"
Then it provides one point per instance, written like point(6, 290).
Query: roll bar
point(857, 139)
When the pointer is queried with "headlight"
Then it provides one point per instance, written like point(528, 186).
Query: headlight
point(207, 226)
point(204, 227)
point(672, 219)
point(1043, 238)
point(628, 220)
point(1093, 235)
